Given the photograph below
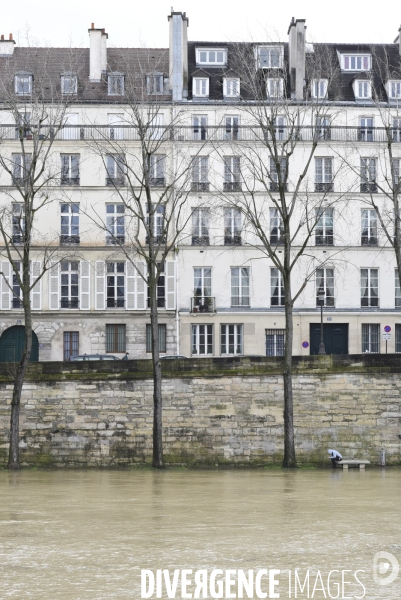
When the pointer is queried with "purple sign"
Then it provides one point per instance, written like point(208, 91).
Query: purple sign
point(387, 328)
point(305, 344)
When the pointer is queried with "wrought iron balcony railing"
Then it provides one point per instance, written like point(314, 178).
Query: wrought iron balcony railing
point(115, 302)
point(202, 304)
point(200, 186)
point(69, 303)
point(115, 240)
point(324, 240)
point(69, 181)
point(200, 240)
point(69, 240)
point(324, 187)
point(232, 240)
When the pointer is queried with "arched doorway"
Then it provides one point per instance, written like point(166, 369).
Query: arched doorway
point(12, 344)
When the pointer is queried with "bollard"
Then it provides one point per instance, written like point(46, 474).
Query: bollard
point(382, 460)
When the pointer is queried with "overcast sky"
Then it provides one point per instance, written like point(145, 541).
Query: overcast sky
point(144, 23)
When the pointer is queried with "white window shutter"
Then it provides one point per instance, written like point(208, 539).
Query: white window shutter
point(36, 291)
point(84, 285)
point(170, 284)
point(130, 286)
point(100, 285)
point(54, 287)
point(141, 287)
point(5, 281)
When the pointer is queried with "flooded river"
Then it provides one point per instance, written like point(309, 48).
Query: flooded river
point(86, 535)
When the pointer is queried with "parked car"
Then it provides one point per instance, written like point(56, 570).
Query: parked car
point(93, 357)
point(172, 356)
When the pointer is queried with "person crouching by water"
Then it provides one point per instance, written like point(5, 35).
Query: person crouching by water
point(335, 457)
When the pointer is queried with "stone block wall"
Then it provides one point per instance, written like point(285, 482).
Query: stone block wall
point(216, 411)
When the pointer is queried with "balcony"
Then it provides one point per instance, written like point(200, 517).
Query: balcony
point(69, 181)
point(69, 303)
point(205, 304)
point(274, 186)
point(115, 181)
point(232, 186)
point(200, 186)
point(69, 240)
point(368, 188)
point(324, 187)
point(115, 303)
point(324, 240)
point(200, 240)
point(369, 241)
point(115, 240)
point(157, 181)
point(232, 240)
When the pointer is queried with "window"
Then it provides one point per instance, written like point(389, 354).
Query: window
point(325, 282)
point(115, 169)
point(276, 227)
point(397, 289)
point(200, 227)
point(276, 183)
point(323, 130)
point(274, 88)
point(396, 175)
point(162, 337)
point(160, 288)
point(362, 89)
point(157, 164)
point(154, 83)
point(371, 337)
point(275, 342)
point(232, 226)
point(69, 284)
point(393, 89)
point(199, 127)
point(396, 130)
point(270, 57)
point(323, 174)
point(232, 128)
point(365, 129)
point(368, 175)
point(355, 62)
point(69, 224)
point(70, 131)
point(200, 87)
point(18, 223)
point(231, 87)
point(117, 123)
point(369, 287)
point(240, 286)
point(69, 84)
point(319, 88)
point(232, 174)
point(21, 165)
point(202, 300)
point(276, 288)
point(200, 177)
point(115, 338)
point(23, 84)
point(157, 214)
point(115, 284)
point(71, 344)
point(17, 300)
point(398, 337)
point(324, 229)
point(70, 169)
point(202, 339)
point(115, 84)
point(368, 227)
point(231, 339)
point(23, 130)
point(115, 223)
point(211, 56)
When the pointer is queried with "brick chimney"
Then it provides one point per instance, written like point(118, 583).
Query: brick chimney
point(7, 46)
point(296, 50)
point(97, 53)
point(178, 57)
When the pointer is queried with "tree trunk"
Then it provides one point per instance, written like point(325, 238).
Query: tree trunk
point(289, 461)
point(157, 461)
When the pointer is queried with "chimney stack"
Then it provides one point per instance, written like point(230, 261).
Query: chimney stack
point(7, 46)
point(296, 49)
point(97, 53)
point(178, 57)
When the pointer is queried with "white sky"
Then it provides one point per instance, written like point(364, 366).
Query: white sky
point(144, 23)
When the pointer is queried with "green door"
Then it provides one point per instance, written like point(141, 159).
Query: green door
point(335, 337)
point(12, 345)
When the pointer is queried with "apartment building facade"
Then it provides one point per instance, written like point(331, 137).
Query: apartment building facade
point(220, 293)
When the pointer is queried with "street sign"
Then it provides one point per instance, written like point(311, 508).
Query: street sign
point(387, 328)
point(386, 336)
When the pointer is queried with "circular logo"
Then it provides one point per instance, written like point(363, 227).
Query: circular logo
point(305, 344)
point(387, 328)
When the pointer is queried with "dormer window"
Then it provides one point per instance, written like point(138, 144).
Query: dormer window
point(69, 84)
point(200, 87)
point(154, 83)
point(23, 84)
point(356, 62)
point(362, 89)
point(211, 56)
point(115, 84)
point(319, 88)
point(274, 88)
point(270, 57)
point(231, 87)
point(393, 89)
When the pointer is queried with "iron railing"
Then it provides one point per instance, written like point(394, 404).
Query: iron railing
point(202, 304)
point(69, 240)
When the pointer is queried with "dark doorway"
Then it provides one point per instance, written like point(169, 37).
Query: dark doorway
point(335, 336)
point(12, 345)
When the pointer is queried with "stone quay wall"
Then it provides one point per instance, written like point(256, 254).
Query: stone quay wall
point(216, 411)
